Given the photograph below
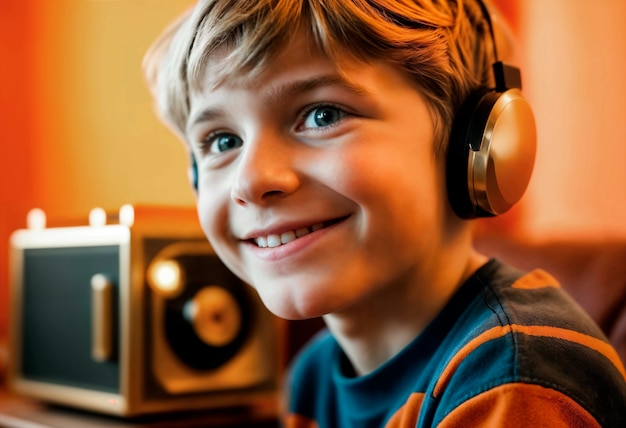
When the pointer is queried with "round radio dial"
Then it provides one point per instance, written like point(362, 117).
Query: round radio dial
point(215, 315)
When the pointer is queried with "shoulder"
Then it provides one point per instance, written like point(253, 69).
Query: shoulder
point(532, 341)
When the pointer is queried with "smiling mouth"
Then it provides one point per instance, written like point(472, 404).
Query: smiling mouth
point(276, 240)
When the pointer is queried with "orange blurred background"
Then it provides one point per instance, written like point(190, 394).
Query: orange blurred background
point(77, 129)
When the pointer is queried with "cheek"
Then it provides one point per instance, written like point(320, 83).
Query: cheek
point(403, 176)
point(213, 217)
point(207, 214)
point(213, 202)
point(401, 195)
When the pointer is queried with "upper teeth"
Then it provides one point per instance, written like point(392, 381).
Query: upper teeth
point(275, 240)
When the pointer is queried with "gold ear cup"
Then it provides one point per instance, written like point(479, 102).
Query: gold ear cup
point(500, 170)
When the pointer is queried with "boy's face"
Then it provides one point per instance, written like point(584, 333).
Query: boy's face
point(337, 163)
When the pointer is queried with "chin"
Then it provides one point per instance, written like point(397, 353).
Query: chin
point(285, 307)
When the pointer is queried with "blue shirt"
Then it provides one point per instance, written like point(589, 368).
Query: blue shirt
point(507, 350)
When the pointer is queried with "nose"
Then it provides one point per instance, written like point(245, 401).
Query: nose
point(265, 171)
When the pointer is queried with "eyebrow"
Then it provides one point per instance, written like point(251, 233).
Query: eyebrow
point(297, 87)
point(204, 116)
point(287, 91)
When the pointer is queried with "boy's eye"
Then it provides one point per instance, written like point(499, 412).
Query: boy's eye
point(323, 116)
point(223, 142)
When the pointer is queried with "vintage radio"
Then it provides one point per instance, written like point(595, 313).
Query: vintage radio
point(135, 317)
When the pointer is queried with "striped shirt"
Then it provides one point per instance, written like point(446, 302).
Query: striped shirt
point(508, 350)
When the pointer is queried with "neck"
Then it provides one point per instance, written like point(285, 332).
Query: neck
point(380, 326)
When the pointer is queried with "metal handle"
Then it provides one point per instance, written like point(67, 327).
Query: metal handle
point(101, 318)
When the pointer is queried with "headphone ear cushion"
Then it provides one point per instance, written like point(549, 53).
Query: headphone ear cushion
point(466, 132)
point(491, 153)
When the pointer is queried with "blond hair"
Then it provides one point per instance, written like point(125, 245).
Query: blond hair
point(444, 47)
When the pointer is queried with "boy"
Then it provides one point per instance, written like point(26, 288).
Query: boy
point(318, 132)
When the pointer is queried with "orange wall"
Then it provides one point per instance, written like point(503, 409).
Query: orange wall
point(576, 59)
point(573, 60)
point(77, 131)
point(97, 141)
point(76, 126)
point(16, 129)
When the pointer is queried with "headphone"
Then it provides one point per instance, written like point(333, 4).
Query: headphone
point(491, 151)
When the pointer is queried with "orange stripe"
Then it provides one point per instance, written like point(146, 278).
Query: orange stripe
point(407, 415)
point(492, 333)
point(574, 336)
point(542, 331)
point(520, 405)
point(536, 279)
point(293, 420)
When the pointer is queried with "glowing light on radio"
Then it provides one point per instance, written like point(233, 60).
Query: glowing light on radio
point(165, 276)
point(36, 219)
point(97, 217)
point(127, 215)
